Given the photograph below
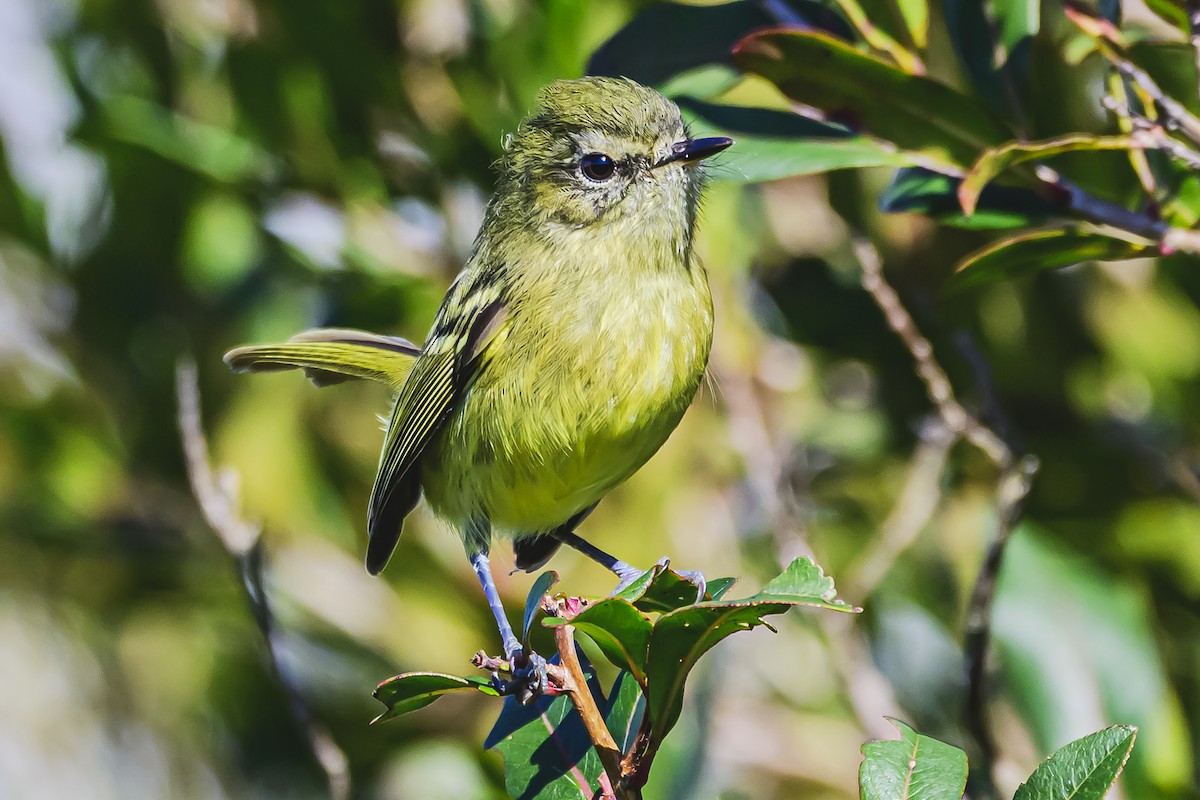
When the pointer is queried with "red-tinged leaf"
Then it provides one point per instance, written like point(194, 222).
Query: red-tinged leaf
point(1052, 248)
point(998, 159)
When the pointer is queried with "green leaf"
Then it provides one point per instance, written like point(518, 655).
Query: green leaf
point(413, 690)
point(774, 144)
point(935, 195)
point(620, 631)
point(626, 705)
point(1051, 248)
point(913, 112)
point(1172, 12)
point(534, 600)
point(663, 589)
point(998, 159)
point(206, 149)
point(974, 41)
point(1075, 640)
point(680, 637)
point(911, 767)
point(1085, 769)
point(719, 586)
point(547, 752)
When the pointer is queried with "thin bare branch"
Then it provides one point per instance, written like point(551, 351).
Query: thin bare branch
point(1015, 479)
point(218, 501)
point(937, 385)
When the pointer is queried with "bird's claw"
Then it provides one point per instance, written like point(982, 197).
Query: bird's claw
point(529, 677)
point(627, 575)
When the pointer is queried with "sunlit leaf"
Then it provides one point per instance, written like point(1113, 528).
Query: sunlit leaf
point(620, 631)
point(681, 637)
point(1085, 769)
point(913, 767)
point(997, 160)
point(414, 690)
point(1052, 248)
point(770, 144)
point(866, 93)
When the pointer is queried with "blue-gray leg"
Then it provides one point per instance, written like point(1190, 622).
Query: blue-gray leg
point(512, 645)
point(626, 573)
point(528, 668)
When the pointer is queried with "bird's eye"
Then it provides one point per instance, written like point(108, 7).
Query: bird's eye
point(597, 166)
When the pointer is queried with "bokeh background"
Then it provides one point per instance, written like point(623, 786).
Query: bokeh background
point(181, 176)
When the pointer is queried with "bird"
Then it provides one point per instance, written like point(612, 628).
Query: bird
point(564, 353)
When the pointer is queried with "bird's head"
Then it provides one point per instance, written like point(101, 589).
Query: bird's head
point(605, 149)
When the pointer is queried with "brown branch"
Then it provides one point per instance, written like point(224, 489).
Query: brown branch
point(218, 501)
point(937, 384)
point(1013, 486)
point(577, 689)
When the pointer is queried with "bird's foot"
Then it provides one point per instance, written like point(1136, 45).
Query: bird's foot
point(527, 676)
point(628, 574)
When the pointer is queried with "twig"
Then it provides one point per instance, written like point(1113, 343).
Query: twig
point(1015, 479)
point(1153, 134)
point(217, 498)
point(1014, 486)
point(937, 385)
point(1176, 113)
point(581, 697)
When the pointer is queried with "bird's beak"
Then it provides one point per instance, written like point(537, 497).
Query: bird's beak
point(693, 150)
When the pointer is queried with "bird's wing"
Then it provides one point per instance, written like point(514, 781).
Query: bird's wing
point(425, 402)
point(332, 355)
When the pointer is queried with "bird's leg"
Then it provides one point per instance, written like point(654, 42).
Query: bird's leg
point(528, 669)
point(626, 573)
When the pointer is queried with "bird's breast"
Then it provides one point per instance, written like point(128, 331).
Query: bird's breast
point(581, 387)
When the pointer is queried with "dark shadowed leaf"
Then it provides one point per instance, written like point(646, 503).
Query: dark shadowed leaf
point(680, 637)
point(974, 41)
point(935, 195)
point(626, 705)
point(546, 749)
point(1052, 248)
point(866, 93)
point(534, 600)
point(667, 39)
point(998, 159)
point(413, 690)
point(912, 767)
point(1085, 769)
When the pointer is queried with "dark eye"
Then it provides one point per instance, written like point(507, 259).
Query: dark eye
point(597, 166)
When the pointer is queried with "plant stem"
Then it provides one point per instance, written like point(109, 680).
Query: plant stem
point(577, 689)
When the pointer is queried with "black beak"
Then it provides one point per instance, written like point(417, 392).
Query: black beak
point(695, 150)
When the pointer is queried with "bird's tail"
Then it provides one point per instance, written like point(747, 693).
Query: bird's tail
point(332, 355)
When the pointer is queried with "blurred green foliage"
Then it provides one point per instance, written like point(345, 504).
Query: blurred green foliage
point(177, 178)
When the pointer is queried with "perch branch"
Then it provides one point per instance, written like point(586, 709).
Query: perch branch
point(612, 782)
point(216, 495)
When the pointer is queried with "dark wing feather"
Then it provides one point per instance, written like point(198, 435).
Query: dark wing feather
point(426, 401)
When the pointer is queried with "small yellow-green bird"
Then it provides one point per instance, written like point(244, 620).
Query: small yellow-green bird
point(567, 349)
